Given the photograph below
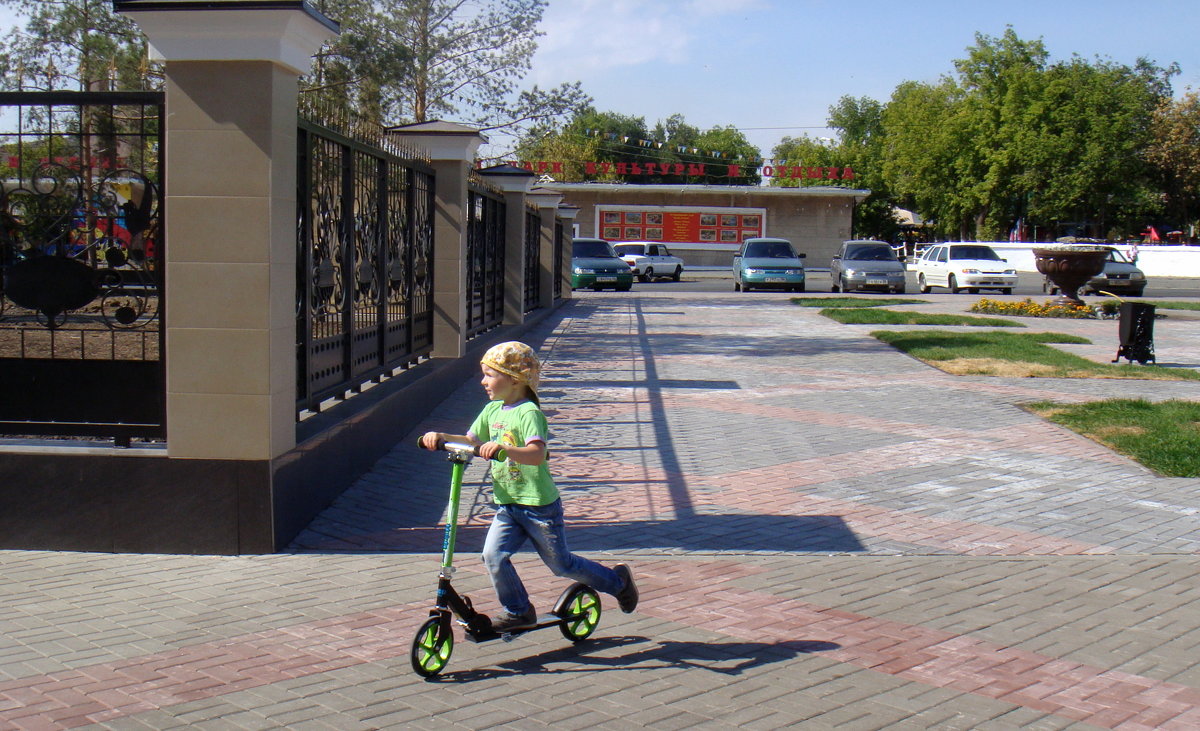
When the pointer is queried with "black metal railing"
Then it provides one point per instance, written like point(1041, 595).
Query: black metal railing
point(485, 257)
point(82, 255)
point(364, 279)
point(533, 260)
point(559, 245)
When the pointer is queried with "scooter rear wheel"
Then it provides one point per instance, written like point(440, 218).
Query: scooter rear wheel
point(431, 647)
point(581, 613)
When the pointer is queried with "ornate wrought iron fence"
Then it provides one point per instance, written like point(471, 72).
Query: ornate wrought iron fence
point(82, 254)
point(533, 259)
point(364, 279)
point(485, 256)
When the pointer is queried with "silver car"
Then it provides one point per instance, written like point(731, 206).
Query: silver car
point(1120, 276)
point(866, 264)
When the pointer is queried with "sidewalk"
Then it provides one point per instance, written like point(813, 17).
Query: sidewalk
point(826, 533)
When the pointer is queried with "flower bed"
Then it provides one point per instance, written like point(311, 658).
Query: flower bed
point(1028, 308)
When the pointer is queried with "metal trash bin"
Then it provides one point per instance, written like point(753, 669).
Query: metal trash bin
point(1136, 330)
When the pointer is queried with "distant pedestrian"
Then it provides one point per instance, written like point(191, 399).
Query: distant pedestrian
point(1133, 253)
point(528, 506)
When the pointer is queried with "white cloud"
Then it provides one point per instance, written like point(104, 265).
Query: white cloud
point(585, 37)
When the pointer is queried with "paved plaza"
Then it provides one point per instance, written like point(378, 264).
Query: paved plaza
point(826, 534)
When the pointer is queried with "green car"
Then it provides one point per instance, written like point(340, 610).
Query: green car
point(766, 263)
point(595, 264)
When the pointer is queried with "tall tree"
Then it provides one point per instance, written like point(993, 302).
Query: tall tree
point(74, 45)
point(1175, 153)
point(467, 58)
point(673, 144)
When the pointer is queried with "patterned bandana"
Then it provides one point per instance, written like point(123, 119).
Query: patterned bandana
point(518, 361)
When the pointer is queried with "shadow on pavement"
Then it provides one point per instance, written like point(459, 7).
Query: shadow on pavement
point(727, 658)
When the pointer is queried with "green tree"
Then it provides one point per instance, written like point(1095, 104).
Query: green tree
point(1175, 153)
point(74, 45)
point(611, 137)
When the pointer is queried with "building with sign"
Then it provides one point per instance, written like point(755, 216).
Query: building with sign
point(705, 224)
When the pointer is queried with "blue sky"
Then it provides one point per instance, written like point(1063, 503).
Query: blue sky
point(780, 64)
point(783, 63)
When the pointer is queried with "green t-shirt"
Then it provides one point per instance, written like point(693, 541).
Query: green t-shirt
point(516, 426)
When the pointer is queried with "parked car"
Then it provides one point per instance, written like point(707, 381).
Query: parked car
point(1120, 276)
point(767, 263)
point(594, 264)
point(866, 264)
point(964, 266)
point(648, 260)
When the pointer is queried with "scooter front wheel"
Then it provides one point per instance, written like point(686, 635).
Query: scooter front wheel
point(431, 647)
point(580, 613)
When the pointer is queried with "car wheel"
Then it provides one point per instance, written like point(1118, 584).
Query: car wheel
point(973, 290)
point(835, 287)
point(737, 286)
point(1006, 290)
point(678, 273)
point(1137, 293)
point(646, 275)
point(921, 284)
point(842, 282)
point(799, 288)
point(952, 285)
point(899, 290)
point(623, 288)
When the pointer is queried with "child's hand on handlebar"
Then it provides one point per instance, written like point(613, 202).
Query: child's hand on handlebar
point(431, 440)
point(489, 450)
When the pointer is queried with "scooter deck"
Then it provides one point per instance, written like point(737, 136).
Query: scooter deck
point(543, 621)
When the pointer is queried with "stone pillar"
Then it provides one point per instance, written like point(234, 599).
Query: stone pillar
point(547, 203)
point(515, 182)
point(230, 218)
point(452, 150)
point(567, 214)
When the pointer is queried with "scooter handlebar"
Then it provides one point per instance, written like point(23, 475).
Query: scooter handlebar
point(460, 448)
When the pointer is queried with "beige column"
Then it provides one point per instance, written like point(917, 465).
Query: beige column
point(230, 220)
point(567, 215)
point(515, 182)
point(547, 203)
point(452, 150)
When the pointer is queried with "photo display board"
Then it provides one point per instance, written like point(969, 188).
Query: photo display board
point(668, 224)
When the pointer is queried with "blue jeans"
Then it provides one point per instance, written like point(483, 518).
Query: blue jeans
point(543, 525)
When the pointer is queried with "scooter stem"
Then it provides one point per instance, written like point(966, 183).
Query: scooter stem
point(456, 478)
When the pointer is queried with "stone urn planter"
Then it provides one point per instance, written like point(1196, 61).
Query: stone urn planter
point(1070, 266)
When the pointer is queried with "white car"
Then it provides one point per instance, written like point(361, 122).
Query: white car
point(648, 260)
point(964, 266)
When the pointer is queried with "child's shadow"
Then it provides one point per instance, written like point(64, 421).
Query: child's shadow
point(728, 658)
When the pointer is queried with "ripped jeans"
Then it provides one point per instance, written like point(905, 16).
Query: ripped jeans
point(543, 525)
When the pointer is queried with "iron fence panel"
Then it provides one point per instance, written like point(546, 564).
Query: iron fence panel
point(364, 286)
point(82, 252)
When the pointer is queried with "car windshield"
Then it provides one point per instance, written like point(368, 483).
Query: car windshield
point(770, 250)
point(870, 252)
point(592, 249)
point(627, 249)
point(1118, 257)
point(973, 252)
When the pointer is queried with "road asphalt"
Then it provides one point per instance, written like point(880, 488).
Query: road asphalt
point(826, 533)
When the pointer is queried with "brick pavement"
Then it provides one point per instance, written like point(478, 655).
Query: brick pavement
point(827, 534)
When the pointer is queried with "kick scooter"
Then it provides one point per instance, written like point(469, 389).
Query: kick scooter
point(576, 614)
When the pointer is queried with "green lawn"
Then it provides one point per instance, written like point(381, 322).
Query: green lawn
point(1176, 305)
point(1162, 436)
point(992, 353)
point(864, 316)
point(854, 301)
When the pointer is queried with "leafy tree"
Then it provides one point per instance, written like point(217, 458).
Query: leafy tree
point(74, 45)
point(611, 137)
point(1175, 153)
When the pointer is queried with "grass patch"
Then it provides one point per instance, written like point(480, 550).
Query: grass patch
point(854, 301)
point(992, 353)
point(1162, 436)
point(1176, 305)
point(862, 316)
